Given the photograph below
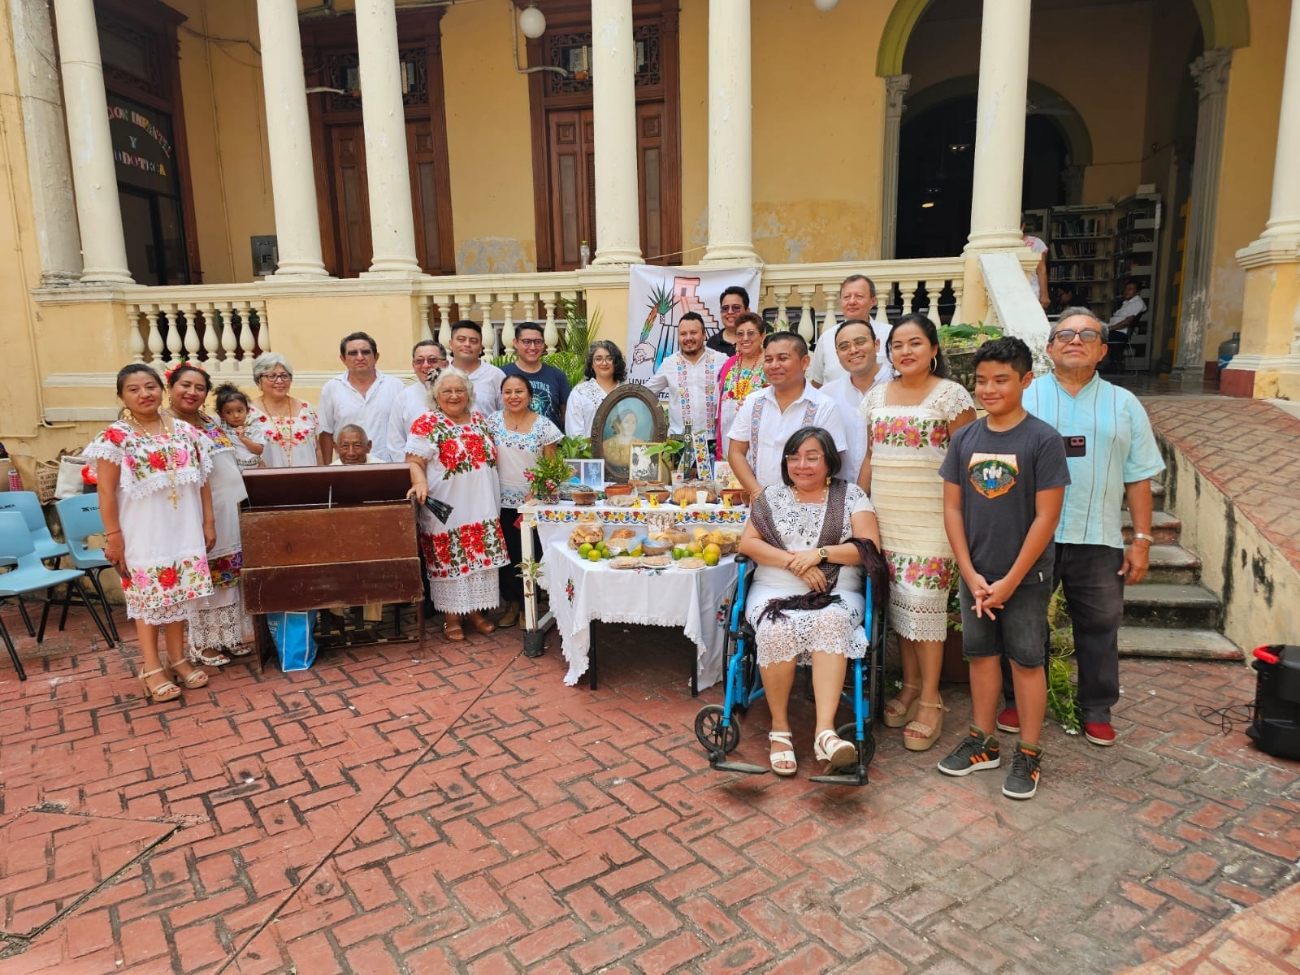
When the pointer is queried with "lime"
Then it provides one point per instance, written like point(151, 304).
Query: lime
point(584, 549)
point(593, 556)
point(678, 553)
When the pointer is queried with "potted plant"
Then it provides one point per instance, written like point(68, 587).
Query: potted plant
point(546, 476)
point(959, 343)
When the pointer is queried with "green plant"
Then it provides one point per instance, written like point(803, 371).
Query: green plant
point(967, 336)
point(501, 360)
point(548, 474)
point(670, 447)
point(571, 357)
point(1062, 694)
point(954, 607)
point(574, 448)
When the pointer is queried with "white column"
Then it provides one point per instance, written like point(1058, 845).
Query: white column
point(297, 224)
point(731, 130)
point(1210, 72)
point(99, 213)
point(392, 224)
point(896, 86)
point(1284, 210)
point(1000, 126)
point(48, 170)
point(618, 210)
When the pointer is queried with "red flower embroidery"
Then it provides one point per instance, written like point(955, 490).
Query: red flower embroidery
point(114, 436)
point(449, 454)
point(126, 582)
point(158, 460)
point(423, 425)
point(168, 577)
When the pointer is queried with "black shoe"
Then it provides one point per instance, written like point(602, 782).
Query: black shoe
point(1022, 780)
point(977, 751)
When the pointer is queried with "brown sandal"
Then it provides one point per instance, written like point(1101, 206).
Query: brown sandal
point(192, 678)
point(451, 628)
point(164, 692)
point(930, 732)
point(896, 714)
point(481, 623)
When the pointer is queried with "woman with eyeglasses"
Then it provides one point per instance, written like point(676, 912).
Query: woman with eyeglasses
point(605, 371)
point(288, 425)
point(910, 422)
point(741, 375)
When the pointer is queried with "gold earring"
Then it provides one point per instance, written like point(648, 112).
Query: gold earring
point(828, 480)
point(934, 363)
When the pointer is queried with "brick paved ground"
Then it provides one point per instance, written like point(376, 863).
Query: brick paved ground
point(1249, 449)
point(467, 812)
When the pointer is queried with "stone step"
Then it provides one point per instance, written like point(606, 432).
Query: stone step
point(1168, 604)
point(1184, 644)
point(1174, 564)
point(1157, 497)
point(1165, 527)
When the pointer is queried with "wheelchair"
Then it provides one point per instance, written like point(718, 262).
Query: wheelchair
point(717, 726)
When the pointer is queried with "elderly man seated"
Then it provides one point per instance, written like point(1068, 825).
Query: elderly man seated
point(353, 447)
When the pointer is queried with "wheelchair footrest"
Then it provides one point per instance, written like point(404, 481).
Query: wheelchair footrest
point(856, 777)
point(717, 763)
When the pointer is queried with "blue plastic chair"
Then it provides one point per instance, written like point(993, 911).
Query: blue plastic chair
point(29, 506)
point(80, 518)
point(31, 575)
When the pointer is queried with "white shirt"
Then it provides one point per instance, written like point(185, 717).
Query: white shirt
point(407, 408)
point(341, 403)
point(693, 390)
point(487, 387)
point(825, 365)
point(812, 408)
point(370, 459)
point(1132, 307)
point(847, 398)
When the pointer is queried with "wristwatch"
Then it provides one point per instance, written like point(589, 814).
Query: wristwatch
point(823, 553)
point(1144, 536)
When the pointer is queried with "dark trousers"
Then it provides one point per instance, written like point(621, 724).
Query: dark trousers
point(512, 586)
point(1094, 593)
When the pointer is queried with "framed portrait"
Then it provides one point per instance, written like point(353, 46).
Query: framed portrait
point(630, 414)
point(587, 473)
point(646, 466)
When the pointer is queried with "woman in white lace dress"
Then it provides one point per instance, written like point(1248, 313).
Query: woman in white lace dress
point(910, 422)
point(605, 370)
point(808, 536)
point(219, 626)
point(158, 525)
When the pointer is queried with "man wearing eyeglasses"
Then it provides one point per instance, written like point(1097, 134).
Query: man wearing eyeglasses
point(734, 302)
point(856, 347)
point(362, 395)
point(550, 385)
point(1112, 457)
point(428, 358)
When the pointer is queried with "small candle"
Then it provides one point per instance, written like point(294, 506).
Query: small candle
point(701, 497)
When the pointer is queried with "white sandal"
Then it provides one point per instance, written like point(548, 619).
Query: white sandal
point(783, 738)
point(834, 750)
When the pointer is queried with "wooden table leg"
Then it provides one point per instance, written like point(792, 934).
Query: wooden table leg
point(262, 641)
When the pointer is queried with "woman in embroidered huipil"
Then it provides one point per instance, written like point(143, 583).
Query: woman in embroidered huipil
point(521, 437)
point(288, 426)
point(741, 375)
point(219, 625)
point(605, 369)
point(909, 424)
point(453, 463)
point(158, 524)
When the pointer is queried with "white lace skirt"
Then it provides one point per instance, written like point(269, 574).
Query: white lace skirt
point(221, 622)
point(802, 632)
point(478, 590)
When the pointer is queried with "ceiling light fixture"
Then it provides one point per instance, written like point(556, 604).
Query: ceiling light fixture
point(532, 22)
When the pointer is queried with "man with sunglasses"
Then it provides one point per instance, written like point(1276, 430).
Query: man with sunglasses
point(428, 358)
point(733, 303)
point(362, 395)
point(1112, 457)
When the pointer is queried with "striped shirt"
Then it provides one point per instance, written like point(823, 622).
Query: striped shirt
point(1121, 449)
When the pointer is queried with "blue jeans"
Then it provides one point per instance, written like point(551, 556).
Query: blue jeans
point(1094, 592)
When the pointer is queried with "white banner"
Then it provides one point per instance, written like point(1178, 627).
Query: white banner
point(658, 297)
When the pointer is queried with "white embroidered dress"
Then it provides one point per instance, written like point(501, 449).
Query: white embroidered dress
point(516, 452)
point(219, 620)
point(907, 444)
point(161, 514)
point(835, 629)
point(584, 400)
point(290, 440)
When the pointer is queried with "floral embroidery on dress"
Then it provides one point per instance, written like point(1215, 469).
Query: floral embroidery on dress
point(460, 447)
point(532, 442)
point(287, 431)
point(899, 431)
point(226, 569)
point(152, 589)
point(739, 383)
point(153, 463)
point(710, 390)
point(921, 571)
point(469, 548)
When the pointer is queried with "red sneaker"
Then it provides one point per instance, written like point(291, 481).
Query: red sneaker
point(1099, 733)
point(1009, 721)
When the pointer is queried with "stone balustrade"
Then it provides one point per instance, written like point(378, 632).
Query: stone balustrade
point(496, 302)
point(222, 326)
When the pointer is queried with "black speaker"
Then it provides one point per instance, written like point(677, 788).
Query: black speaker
point(1276, 728)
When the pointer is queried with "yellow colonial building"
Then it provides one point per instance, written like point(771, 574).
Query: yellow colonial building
point(214, 178)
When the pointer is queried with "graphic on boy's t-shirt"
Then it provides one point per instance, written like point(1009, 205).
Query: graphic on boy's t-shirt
point(992, 475)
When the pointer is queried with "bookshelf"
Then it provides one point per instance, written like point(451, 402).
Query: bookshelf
point(1080, 250)
point(1137, 228)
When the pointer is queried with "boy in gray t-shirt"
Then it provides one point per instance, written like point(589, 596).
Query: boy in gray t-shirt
point(1005, 482)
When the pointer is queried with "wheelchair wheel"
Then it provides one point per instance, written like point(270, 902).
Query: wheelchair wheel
point(849, 732)
point(711, 732)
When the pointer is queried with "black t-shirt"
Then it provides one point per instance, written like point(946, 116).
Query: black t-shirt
point(999, 473)
point(717, 343)
point(550, 389)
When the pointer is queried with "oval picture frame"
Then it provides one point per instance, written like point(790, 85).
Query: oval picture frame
point(614, 447)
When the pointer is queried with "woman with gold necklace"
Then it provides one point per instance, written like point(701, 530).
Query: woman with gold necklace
point(158, 521)
point(741, 375)
point(288, 425)
point(219, 626)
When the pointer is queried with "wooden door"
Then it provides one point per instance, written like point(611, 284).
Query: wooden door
point(351, 208)
point(652, 177)
point(573, 189)
point(427, 205)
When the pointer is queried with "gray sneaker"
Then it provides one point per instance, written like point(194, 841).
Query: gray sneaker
point(1022, 780)
point(977, 751)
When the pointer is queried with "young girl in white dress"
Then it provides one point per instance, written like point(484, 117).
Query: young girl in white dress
point(248, 439)
point(159, 524)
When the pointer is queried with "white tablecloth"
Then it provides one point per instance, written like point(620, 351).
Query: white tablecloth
point(698, 601)
point(555, 522)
